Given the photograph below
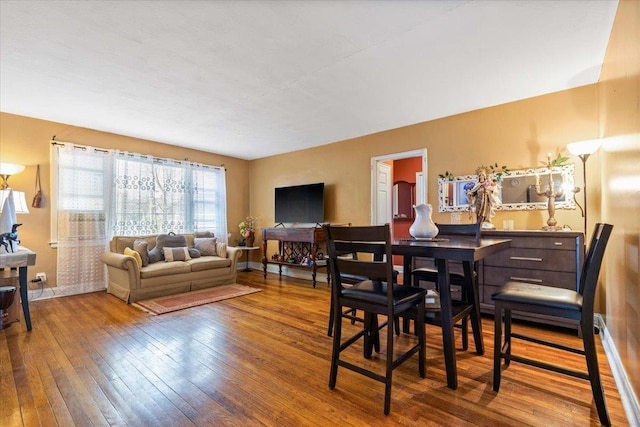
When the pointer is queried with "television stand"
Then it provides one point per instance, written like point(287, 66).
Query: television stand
point(297, 247)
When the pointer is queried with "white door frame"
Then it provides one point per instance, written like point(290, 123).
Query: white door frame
point(397, 156)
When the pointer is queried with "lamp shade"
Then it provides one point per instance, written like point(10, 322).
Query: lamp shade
point(19, 200)
point(10, 169)
point(584, 147)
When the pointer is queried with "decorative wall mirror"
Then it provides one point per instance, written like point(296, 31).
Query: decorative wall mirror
point(403, 199)
point(517, 190)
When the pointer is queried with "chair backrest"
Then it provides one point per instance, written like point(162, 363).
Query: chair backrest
point(591, 266)
point(373, 246)
point(470, 230)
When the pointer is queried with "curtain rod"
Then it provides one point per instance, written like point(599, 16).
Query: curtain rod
point(53, 141)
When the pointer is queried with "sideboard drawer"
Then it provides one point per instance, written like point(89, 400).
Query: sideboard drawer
point(534, 259)
point(556, 243)
point(500, 275)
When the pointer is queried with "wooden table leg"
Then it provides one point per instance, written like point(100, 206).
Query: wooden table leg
point(474, 299)
point(24, 296)
point(446, 316)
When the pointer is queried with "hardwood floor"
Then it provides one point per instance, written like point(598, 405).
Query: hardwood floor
point(260, 359)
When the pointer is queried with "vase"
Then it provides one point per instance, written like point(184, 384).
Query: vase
point(250, 239)
point(423, 226)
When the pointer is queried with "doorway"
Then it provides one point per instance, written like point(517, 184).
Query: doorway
point(382, 199)
point(382, 183)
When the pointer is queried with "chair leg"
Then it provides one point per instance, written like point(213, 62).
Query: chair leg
point(371, 336)
point(594, 372)
point(389, 370)
point(497, 344)
point(422, 341)
point(507, 337)
point(331, 320)
point(335, 352)
point(465, 333)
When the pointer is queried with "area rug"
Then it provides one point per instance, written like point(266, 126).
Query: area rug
point(177, 302)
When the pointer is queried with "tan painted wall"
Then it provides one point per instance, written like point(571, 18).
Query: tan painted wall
point(619, 163)
point(25, 141)
point(518, 134)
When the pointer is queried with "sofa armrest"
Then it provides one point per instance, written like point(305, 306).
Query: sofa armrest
point(123, 269)
point(234, 255)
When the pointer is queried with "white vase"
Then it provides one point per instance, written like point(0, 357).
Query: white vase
point(423, 226)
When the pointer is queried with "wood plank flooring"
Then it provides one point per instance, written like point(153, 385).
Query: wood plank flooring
point(260, 359)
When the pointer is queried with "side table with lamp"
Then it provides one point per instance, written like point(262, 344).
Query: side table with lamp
point(13, 256)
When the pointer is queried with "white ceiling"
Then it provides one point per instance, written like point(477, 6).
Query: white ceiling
point(250, 79)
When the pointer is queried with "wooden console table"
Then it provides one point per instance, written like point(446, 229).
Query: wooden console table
point(294, 246)
point(20, 260)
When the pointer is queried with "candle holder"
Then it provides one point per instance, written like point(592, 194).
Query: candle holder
point(551, 193)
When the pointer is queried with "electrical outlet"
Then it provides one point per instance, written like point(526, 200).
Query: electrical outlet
point(41, 276)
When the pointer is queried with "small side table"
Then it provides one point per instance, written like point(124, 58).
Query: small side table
point(20, 259)
point(246, 249)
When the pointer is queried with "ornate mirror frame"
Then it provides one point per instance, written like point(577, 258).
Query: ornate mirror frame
point(452, 193)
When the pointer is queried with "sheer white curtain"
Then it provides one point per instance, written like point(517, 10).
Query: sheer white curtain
point(83, 190)
point(208, 189)
point(154, 196)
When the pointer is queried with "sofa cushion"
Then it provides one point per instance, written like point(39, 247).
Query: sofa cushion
point(142, 247)
point(176, 254)
point(208, 263)
point(118, 243)
point(204, 234)
point(206, 245)
point(159, 269)
point(170, 240)
point(135, 254)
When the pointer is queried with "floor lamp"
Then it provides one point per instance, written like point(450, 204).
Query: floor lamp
point(584, 149)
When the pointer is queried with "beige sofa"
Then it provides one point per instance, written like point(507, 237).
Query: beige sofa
point(130, 282)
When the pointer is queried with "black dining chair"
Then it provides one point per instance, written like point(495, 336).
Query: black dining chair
point(458, 280)
point(555, 301)
point(377, 295)
point(349, 280)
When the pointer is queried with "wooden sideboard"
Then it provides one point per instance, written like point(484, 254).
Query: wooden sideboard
point(544, 257)
point(297, 247)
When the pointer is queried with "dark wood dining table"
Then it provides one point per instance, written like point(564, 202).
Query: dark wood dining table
point(467, 251)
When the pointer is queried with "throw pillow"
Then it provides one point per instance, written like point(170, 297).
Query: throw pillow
point(142, 247)
point(170, 240)
point(221, 249)
point(176, 254)
point(206, 245)
point(194, 253)
point(204, 234)
point(136, 255)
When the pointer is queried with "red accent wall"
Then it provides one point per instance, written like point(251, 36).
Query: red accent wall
point(404, 170)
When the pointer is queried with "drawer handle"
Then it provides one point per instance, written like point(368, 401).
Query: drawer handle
point(525, 279)
point(557, 243)
point(524, 258)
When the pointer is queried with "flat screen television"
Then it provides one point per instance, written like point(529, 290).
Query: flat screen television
point(300, 203)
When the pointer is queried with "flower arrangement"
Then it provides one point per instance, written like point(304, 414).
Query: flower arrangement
point(248, 226)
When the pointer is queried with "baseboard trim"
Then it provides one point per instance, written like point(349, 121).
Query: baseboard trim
point(298, 273)
point(629, 399)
